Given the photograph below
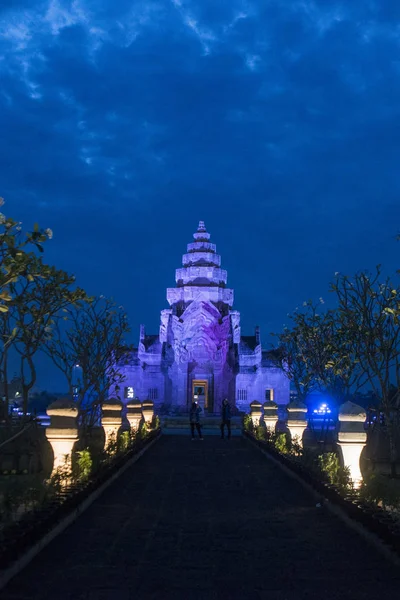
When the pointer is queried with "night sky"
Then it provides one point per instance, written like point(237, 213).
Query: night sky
point(123, 123)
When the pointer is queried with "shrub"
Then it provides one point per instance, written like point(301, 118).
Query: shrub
point(330, 467)
point(248, 423)
point(280, 442)
point(381, 490)
point(112, 445)
point(155, 422)
point(61, 477)
point(261, 433)
point(295, 446)
point(124, 441)
point(84, 465)
point(143, 429)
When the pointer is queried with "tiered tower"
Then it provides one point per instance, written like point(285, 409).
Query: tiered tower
point(196, 329)
point(200, 273)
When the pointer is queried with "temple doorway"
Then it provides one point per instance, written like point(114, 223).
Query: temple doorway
point(200, 392)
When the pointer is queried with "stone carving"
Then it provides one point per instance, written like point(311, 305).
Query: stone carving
point(165, 315)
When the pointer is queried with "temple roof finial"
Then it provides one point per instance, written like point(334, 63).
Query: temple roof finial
point(201, 234)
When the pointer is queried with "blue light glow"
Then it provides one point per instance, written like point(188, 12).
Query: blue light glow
point(323, 409)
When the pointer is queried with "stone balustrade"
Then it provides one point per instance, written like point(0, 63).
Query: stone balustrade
point(255, 412)
point(297, 419)
point(352, 438)
point(148, 410)
point(111, 420)
point(62, 432)
point(270, 415)
point(134, 413)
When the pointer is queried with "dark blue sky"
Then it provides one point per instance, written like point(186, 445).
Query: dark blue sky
point(123, 123)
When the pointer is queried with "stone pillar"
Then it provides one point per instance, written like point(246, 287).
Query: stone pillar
point(148, 410)
point(111, 419)
point(255, 412)
point(134, 413)
point(352, 438)
point(270, 415)
point(297, 419)
point(62, 432)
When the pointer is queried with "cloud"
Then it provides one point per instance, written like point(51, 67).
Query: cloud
point(59, 15)
point(277, 121)
point(203, 34)
point(252, 61)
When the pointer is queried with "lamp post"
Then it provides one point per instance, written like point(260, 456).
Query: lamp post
point(75, 381)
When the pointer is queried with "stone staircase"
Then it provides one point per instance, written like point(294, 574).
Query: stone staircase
point(179, 425)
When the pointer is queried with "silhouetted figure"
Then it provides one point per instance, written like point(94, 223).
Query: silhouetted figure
point(226, 419)
point(195, 420)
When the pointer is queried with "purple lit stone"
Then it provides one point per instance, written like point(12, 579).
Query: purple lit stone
point(199, 349)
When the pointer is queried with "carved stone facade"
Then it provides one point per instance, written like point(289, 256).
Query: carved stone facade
point(199, 350)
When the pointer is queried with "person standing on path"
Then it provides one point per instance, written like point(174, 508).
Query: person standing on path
point(226, 419)
point(195, 420)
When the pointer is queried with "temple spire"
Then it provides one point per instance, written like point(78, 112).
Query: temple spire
point(201, 233)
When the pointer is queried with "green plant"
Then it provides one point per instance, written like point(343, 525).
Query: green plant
point(112, 445)
point(155, 422)
point(84, 465)
point(248, 423)
point(261, 433)
point(295, 446)
point(280, 442)
point(330, 467)
point(124, 441)
point(61, 477)
point(143, 429)
point(381, 490)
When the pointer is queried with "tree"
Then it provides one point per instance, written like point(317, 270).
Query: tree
point(90, 335)
point(328, 352)
point(14, 260)
point(38, 298)
point(291, 357)
point(13, 255)
point(368, 316)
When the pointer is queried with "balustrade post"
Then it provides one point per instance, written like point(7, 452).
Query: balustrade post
point(111, 419)
point(352, 438)
point(134, 413)
point(297, 420)
point(270, 415)
point(62, 432)
point(255, 412)
point(148, 410)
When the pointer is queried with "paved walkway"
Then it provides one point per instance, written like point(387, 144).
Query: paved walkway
point(206, 520)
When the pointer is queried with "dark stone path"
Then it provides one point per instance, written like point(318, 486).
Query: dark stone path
point(206, 520)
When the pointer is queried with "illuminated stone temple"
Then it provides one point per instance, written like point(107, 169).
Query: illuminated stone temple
point(199, 350)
